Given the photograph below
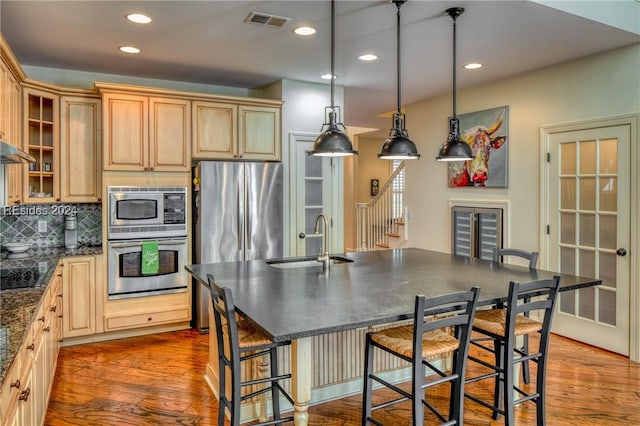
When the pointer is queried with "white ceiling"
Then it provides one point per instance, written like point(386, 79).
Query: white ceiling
point(208, 42)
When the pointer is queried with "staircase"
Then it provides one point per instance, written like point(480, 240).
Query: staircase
point(381, 223)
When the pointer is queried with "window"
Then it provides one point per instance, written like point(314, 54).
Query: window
point(397, 189)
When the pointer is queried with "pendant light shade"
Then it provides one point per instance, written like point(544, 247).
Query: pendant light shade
point(454, 148)
point(332, 142)
point(398, 146)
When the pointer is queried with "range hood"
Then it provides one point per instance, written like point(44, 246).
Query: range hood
point(9, 154)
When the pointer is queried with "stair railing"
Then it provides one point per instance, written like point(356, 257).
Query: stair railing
point(376, 221)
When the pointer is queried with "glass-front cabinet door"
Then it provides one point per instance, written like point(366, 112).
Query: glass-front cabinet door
point(41, 142)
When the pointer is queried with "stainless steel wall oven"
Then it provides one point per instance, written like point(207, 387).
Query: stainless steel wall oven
point(139, 214)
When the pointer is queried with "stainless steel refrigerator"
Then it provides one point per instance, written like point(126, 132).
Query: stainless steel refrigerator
point(237, 216)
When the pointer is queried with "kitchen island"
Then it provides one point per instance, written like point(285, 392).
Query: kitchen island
point(378, 287)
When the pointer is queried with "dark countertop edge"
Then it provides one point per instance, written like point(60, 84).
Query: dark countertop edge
point(63, 253)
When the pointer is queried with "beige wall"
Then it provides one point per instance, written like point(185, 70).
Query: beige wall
point(370, 167)
point(604, 85)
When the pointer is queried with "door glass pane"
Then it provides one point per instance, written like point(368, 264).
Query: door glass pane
point(313, 166)
point(607, 307)
point(311, 213)
point(567, 260)
point(588, 230)
point(587, 263)
point(568, 158)
point(608, 194)
point(568, 302)
point(313, 192)
point(313, 246)
point(607, 269)
point(608, 231)
point(586, 303)
point(609, 156)
point(587, 193)
point(588, 157)
point(568, 193)
point(568, 228)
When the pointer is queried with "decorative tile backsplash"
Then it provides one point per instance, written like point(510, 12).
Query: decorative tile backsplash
point(20, 224)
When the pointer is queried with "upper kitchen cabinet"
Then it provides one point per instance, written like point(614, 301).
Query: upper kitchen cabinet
point(41, 142)
point(81, 149)
point(10, 122)
point(143, 133)
point(235, 131)
point(215, 134)
point(259, 132)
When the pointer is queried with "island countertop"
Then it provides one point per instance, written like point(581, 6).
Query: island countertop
point(377, 287)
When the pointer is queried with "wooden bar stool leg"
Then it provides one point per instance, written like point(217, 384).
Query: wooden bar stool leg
point(262, 365)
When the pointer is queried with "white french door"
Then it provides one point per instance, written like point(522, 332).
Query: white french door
point(315, 189)
point(589, 220)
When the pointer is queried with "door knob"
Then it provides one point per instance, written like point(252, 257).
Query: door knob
point(301, 235)
point(621, 252)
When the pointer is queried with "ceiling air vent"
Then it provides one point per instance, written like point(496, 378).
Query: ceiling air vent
point(266, 19)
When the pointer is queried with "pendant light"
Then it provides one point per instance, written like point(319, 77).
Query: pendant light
point(333, 142)
point(398, 146)
point(454, 148)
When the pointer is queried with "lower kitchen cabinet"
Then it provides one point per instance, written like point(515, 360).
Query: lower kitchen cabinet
point(79, 296)
point(25, 392)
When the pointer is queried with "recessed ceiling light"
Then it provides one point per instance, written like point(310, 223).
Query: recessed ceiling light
point(129, 49)
point(473, 66)
point(305, 31)
point(138, 18)
point(327, 76)
point(367, 57)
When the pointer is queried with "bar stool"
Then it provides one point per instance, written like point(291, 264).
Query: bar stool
point(239, 341)
point(503, 326)
point(431, 338)
point(532, 257)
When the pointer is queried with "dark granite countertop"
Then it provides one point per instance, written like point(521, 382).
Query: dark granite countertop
point(378, 287)
point(18, 305)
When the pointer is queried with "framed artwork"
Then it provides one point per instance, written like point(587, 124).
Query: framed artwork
point(374, 187)
point(487, 133)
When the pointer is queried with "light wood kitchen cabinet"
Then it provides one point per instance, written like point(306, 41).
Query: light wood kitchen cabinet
point(143, 133)
point(259, 132)
point(81, 150)
point(215, 134)
point(11, 125)
point(236, 132)
point(41, 182)
point(79, 296)
point(25, 392)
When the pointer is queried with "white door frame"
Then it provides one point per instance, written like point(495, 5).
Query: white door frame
point(335, 201)
point(634, 250)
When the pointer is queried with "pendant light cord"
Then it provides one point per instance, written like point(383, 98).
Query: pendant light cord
point(333, 48)
point(398, 70)
point(454, 65)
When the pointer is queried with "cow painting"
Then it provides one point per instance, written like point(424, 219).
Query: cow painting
point(486, 133)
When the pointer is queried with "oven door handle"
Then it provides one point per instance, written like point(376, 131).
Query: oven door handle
point(139, 243)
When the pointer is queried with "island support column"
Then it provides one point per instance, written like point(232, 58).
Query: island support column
point(301, 369)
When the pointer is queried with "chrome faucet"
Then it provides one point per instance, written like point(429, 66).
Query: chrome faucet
point(323, 256)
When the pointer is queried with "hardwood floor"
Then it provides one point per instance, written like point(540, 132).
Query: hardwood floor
point(158, 380)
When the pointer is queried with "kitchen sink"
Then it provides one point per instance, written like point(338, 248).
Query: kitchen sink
point(304, 262)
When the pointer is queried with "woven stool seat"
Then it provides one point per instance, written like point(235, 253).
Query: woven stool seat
point(435, 343)
point(250, 336)
point(494, 321)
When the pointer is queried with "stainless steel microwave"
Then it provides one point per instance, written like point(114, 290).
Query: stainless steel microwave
point(146, 212)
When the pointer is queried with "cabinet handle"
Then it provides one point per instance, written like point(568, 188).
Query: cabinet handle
point(99, 199)
point(31, 347)
point(58, 199)
point(24, 395)
point(152, 168)
point(17, 202)
point(54, 308)
point(47, 329)
point(149, 319)
point(42, 318)
point(16, 384)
